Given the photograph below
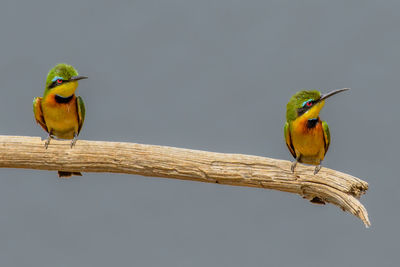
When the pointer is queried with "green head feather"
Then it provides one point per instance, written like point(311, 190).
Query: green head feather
point(297, 102)
point(62, 70)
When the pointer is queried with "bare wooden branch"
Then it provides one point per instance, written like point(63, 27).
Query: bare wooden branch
point(328, 185)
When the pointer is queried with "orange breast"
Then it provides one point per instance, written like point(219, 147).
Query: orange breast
point(308, 142)
point(61, 118)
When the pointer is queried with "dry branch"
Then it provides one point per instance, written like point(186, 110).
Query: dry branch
point(328, 185)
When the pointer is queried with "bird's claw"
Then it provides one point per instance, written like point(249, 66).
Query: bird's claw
point(317, 168)
point(73, 142)
point(46, 144)
point(294, 163)
point(293, 166)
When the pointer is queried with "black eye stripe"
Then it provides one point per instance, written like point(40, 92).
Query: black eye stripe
point(302, 110)
point(55, 83)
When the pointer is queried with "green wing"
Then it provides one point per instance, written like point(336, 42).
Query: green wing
point(37, 111)
point(327, 135)
point(288, 139)
point(81, 112)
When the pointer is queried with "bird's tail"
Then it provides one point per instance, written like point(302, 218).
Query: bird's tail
point(67, 175)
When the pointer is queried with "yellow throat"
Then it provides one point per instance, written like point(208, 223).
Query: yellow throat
point(65, 90)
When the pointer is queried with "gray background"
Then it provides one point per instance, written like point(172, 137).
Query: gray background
point(210, 75)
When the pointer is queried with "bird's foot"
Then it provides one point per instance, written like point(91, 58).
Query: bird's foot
point(293, 166)
point(73, 142)
point(46, 144)
point(316, 170)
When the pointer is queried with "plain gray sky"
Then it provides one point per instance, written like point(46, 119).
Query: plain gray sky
point(213, 75)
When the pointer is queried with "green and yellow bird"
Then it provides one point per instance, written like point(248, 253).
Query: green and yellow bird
point(306, 136)
point(59, 111)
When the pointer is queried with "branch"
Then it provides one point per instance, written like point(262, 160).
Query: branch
point(328, 185)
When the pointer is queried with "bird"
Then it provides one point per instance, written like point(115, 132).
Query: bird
point(307, 137)
point(60, 112)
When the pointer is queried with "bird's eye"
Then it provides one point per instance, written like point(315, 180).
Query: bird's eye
point(308, 103)
point(59, 81)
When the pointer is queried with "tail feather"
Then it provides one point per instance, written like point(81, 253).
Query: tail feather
point(67, 175)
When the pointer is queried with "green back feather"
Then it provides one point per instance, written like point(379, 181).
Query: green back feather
point(81, 112)
point(327, 135)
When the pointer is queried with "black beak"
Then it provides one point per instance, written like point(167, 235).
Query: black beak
point(331, 93)
point(77, 78)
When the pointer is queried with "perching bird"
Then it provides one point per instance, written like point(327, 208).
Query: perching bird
point(307, 137)
point(59, 111)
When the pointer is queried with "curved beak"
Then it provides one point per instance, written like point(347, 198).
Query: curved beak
point(331, 93)
point(77, 78)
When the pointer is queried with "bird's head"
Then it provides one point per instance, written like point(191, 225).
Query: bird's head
point(308, 104)
point(62, 80)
